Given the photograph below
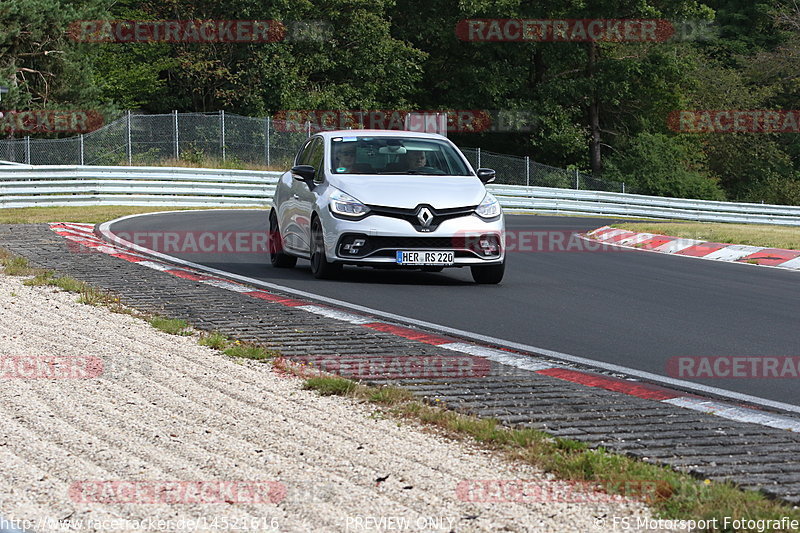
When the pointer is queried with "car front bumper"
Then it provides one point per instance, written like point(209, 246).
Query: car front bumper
point(473, 240)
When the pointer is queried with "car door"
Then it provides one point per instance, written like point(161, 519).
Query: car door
point(307, 196)
point(288, 210)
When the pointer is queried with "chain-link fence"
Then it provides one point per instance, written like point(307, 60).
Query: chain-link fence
point(204, 138)
point(516, 170)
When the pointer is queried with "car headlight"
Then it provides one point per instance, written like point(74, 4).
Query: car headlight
point(489, 208)
point(343, 204)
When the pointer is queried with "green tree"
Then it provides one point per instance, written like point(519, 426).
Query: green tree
point(664, 165)
point(43, 67)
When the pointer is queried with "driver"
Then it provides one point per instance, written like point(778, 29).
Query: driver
point(415, 159)
point(346, 157)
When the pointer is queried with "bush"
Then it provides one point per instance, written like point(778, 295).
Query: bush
point(663, 165)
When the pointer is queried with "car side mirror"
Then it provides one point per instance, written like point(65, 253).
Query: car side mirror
point(486, 175)
point(304, 173)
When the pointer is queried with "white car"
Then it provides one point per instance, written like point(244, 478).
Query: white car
point(386, 199)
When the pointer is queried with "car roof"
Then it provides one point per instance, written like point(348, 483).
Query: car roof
point(379, 133)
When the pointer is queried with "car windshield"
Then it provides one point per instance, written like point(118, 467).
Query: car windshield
point(395, 155)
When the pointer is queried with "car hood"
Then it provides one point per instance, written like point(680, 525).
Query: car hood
point(407, 191)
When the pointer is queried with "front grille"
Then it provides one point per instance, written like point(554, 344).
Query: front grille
point(428, 243)
point(410, 215)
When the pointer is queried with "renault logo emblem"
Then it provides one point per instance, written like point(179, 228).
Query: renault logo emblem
point(425, 217)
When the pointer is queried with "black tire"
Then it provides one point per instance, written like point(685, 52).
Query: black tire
point(489, 274)
point(277, 256)
point(320, 267)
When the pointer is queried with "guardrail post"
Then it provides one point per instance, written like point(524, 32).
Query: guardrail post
point(222, 132)
point(128, 128)
point(623, 187)
point(577, 180)
point(175, 132)
point(82, 156)
point(308, 128)
point(266, 139)
point(527, 171)
point(479, 158)
point(27, 149)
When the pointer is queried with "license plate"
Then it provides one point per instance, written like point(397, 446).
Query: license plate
point(424, 257)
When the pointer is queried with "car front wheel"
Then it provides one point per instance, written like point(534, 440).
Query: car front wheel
point(277, 256)
point(489, 274)
point(320, 267)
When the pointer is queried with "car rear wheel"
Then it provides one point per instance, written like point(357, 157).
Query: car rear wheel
point(277, 256)
point(320, 267)
point(489, 274)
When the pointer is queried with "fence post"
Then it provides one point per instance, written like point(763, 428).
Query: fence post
point(27, 149)
point(266, 139)
point(175, 131)
point(577, 180)
point(623, 187)
point(479, 158)
point(82, 156)
point(308, 128)
point(222, 132)
point(128, 124)
point(527, 171)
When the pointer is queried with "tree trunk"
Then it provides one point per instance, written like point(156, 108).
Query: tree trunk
point(539, 68)
point(594, 113)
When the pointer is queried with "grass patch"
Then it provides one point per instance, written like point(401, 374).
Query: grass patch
point(249, 351)
point(751, 234)
point(173, 326)
point(203, 161)
point(68, 284)
point(217, 341)
point(672, 495)
point(92, 296)
point(16, 266)
point(43, 278)
point(85, 214)
point(331, 386)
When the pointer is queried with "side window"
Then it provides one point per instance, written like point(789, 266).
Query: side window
point(315, 159)
point(303, 155)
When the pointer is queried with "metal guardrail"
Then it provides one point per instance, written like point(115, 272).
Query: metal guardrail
point(552, 200)
point(32, 186)
point(47, 186)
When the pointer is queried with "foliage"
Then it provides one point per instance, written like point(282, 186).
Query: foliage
point(598, 107)
point(664, 165)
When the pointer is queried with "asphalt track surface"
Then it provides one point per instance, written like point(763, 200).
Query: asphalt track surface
point(630, 308)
